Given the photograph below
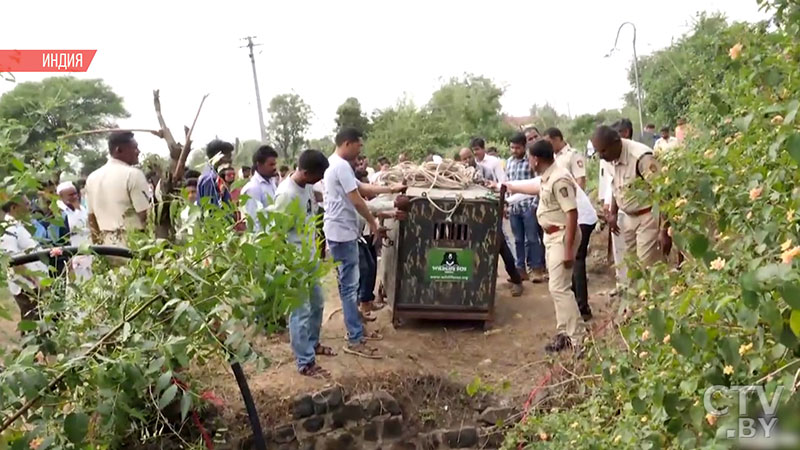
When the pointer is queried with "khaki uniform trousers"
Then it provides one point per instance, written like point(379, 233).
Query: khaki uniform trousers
point(568, 317)
point(640, 234)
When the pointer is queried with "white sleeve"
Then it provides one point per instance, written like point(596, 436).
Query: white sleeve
point(499, 173)
point(535, 181)
point(609, 190)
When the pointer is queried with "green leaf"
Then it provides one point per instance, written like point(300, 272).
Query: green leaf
point(474, 386)
point(794, 105)
point(698, 245)
point(682, 343)
point(26, 325)
point(168, 396)
point(639, 406)
point(722, 108)
point(750, 299)
point(794, 322)
point(791, 294)
point(657, 321)
point(76, 425)
point(700, 337)
point(793, 146)
point(186, 405)
point(179, 310)
point(163, 381)
point(19, 165)
point(729, 347)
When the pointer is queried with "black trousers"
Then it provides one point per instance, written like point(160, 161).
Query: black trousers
point(508, 261)
point(579, 283)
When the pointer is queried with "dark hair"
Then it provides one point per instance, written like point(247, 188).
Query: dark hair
point(191, 182)
point(284, 168)
point(491, 149)
point(477, 142)
point(663, 129)
point(190, 173)
point(542, 149)
point(606, 134)
point(262, 154)
point(531, 128)
point(650, 125)
point(312, 161)
point(218, 146)
point(623, 124)
point(553, 132)
point(247, 168)
point(360, 158)
point(518, 138)
point(118, 138)
point(346, 135)
point(383, 160)
point(8, 205)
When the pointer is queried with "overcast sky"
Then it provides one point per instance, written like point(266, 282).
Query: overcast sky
point(326, 51)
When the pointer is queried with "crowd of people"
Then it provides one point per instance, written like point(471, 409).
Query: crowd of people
point(550, 216)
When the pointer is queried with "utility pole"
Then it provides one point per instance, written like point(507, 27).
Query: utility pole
point(250, 46)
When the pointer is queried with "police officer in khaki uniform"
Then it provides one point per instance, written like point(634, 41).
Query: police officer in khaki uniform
point(632, 161)
point(567, 157)
point(558, 216)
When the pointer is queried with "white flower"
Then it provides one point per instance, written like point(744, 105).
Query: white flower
point(718, 264)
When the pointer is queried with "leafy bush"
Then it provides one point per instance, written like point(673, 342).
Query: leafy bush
point(731, 315)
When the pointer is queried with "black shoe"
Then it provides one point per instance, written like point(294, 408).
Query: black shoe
point(559, 343)
point(586, 316)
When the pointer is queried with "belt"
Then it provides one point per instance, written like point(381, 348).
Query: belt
point(552, 229)
point(640, 212)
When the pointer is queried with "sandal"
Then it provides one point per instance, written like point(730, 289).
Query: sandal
point(373, 306)
point(363, 350)
point(366, 317)
point(314, 371)
point(372, 336)
point(324, 350)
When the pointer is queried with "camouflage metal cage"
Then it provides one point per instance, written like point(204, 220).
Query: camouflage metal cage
point(441, 262)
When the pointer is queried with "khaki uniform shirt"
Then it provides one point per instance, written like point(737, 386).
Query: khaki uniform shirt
point(635, 161)
point(115, 193)
point(557, 196)
point(572, 161)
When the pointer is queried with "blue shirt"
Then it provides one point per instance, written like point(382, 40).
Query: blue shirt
point(207, 186)
point(519, 169)
point(261, 192)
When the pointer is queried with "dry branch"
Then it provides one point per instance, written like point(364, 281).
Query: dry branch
point(187, 148)
point(113, 130)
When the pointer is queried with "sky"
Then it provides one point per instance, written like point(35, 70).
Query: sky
point(377, 51)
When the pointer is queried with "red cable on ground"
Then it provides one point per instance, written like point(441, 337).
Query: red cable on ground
point(545, 379)
point(195, 418)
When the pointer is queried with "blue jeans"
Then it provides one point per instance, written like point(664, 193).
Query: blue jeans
point(305, 322)
point(346, 255)
point(526, 239)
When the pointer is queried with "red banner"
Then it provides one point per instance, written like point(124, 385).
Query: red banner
point(45, 60)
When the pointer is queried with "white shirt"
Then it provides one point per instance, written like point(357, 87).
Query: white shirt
point(287, 193)
point(374, 177)
point(494, 166)
point(78, 221)
point(261, 192)
point(17, 240)
point(665, 144)
point(586, 213)
point(340, 223)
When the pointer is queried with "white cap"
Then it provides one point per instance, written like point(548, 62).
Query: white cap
point(64, 186)
point(437, 159)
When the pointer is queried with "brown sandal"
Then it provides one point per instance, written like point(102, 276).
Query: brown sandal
point(324, 350)
point(314, 371)
point(363, 350)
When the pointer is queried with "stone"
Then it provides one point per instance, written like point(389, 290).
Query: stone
point(344, 441)
point(462, 438)
point(403, 446)
point(314, 424)
point(371, 431)
point(284, 434)
point(430, 441)
point(302, 406)
point(496, 414)
point(482, 401)
point(327, 400)
point(347, 413)
point(393, 427)
point(310, 444)
point(290, 446)
point(491, 439)
point(378, 403)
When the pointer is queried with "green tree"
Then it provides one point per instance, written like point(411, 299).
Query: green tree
point(349, 114)
point(404, 128)
point(244, 155)
point(325, 144)
point(546, 116)
point(466, 107)
point(196, 159)
point(59, 105)
point(291, 117)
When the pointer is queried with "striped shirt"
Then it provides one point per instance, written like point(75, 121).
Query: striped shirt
point(519, 169)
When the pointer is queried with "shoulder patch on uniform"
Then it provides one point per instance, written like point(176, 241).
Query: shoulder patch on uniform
point(580, 163)
point(564, 192)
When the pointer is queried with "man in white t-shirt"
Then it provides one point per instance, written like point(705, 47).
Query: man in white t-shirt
point(77, 221)
point(305, 321)
point(25, 280)
point(491, 164)
point(343, 203)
